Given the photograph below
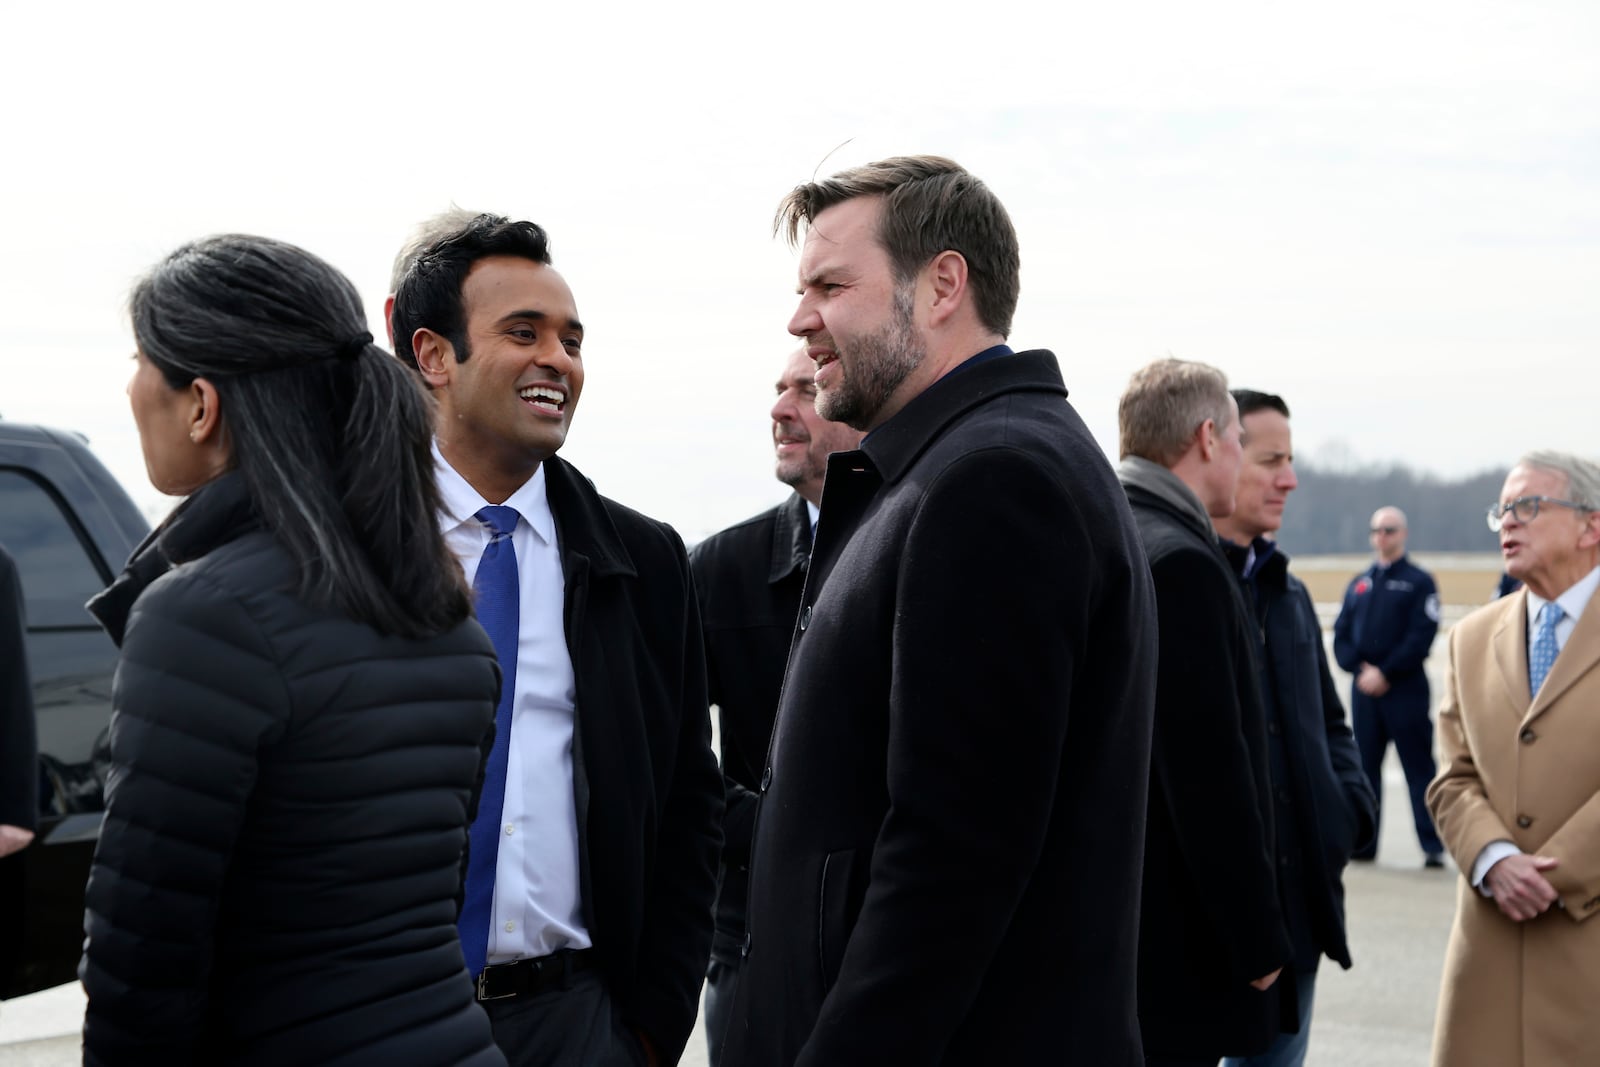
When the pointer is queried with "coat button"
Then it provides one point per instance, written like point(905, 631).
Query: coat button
point(1528, 735)
point(744, 949)
point(766, 779)
point(1524, 821)
point(805, 618)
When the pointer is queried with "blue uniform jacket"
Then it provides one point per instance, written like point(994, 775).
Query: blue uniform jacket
point(1389, 619)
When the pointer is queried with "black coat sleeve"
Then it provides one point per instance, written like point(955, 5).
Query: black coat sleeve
point(675, 942)
point(1206, 765)
point(197, 695)
point(19, 750)
point(1342, 751)
point(1344, 642)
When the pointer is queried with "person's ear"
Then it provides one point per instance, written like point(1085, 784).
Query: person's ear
point(1590, 537)
point(1206, 438)
point(947, 280)
point(435, 356)
point(205, 412)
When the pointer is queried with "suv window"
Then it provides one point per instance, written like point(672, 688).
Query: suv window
point(59, 569)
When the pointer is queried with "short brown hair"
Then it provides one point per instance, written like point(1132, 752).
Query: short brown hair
point(930, 205)
point(1163, 405)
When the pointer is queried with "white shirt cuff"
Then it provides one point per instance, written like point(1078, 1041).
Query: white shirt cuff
point(1492, 853)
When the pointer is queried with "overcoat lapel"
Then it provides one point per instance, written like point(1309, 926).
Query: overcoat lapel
point(1580, 656)
point(1511, 653)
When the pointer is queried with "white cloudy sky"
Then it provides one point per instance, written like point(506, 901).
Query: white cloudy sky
point(1390, 213)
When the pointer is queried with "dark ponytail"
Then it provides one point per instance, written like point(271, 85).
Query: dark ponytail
point(330, 432)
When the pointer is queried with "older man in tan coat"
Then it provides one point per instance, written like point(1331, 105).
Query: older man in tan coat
point(1518, 799)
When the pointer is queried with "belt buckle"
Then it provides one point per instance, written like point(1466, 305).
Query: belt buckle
point(483, 993)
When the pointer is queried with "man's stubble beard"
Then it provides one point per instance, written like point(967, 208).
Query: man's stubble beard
point(879, 363)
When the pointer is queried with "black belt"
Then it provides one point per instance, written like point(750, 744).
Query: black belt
point(529, 977)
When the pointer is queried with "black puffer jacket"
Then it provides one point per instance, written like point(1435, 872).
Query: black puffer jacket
point(277, 878)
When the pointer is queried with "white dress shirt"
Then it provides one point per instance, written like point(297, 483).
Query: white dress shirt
point(1572, 602)
point(538, 905)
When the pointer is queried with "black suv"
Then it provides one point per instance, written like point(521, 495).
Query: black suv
point(70, 527)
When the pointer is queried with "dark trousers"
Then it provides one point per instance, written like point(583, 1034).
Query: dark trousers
point(1404, 721)
point(577, 1026)
point(1178, 1061)
point(722, 982)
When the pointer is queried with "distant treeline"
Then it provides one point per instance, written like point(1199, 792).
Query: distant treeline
point(1332, 509)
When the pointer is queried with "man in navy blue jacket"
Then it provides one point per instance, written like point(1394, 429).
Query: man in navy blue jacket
point(1322, 806)
point(1382, 637)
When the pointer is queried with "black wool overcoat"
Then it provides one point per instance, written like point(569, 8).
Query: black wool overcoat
point(946, 859)
point(1211, 919)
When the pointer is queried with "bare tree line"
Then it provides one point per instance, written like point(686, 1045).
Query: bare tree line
point(1331, 510)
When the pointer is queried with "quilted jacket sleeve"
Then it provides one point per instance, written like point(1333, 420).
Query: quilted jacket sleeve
point(197, 695)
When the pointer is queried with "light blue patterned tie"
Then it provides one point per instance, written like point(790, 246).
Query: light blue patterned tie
point(1542, 654)
point(498, 604)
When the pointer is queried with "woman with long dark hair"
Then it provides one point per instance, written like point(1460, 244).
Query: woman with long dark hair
point(303, 699)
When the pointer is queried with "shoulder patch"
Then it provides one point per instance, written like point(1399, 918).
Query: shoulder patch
point(1431, 606)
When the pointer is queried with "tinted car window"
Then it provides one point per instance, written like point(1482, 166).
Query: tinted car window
point(57, 567)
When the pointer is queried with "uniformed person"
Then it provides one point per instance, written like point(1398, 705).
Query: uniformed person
point(1382, 637)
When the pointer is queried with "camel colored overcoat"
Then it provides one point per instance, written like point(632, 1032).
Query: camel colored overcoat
point(1521, 994)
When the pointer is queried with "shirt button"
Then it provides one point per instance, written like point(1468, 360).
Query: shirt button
point(510, 927)
point(511, 828)
point(805, 618)
point(744, 949)
point(766, 779)
point(1528, 735)
point(1524, 821)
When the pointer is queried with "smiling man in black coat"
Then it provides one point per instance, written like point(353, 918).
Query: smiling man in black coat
point(1322, 806)
point(947, 848)
point(592, 924)
point(1211, 938)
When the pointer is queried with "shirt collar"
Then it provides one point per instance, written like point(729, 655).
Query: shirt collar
point(459, 503)
point(1572, 602)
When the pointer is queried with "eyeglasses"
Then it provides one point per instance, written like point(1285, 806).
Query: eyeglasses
point(1526, 509)
point(1386, 529)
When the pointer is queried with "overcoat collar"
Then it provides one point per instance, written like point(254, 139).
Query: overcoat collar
point(791, 539)
point(583, 526)
point(895, 446)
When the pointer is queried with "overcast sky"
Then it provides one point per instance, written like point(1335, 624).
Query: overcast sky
point(1389, 213)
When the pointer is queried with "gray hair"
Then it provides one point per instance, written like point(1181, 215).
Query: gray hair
point(424, 234)
point(1583, 475)
point(1165, 403)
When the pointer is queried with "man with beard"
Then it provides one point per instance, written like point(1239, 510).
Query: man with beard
point(957, 769)
point(749, 578)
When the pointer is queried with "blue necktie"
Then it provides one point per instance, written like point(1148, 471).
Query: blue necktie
point(498, 606)
point(1542, 654)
